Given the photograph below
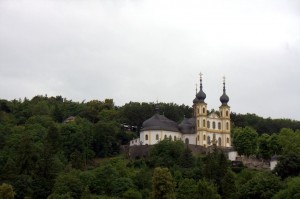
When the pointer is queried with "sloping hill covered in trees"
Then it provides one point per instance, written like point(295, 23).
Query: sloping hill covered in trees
point(48, 146)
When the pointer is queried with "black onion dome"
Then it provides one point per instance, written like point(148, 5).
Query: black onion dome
point(187, 126)
point(195, 100)
point(224, 98)
point(201, 95)
point(159, 122)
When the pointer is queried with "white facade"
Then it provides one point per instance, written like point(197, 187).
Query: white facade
point(151, 137)
point(203, 129)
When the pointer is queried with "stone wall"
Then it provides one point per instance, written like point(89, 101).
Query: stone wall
point(254, 163)
point(140, 151)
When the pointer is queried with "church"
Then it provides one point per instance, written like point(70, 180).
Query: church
point(203, 129)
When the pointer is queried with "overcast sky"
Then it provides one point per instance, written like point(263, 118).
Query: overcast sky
point(148, 50)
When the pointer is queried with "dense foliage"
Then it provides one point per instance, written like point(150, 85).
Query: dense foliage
point(51, 147)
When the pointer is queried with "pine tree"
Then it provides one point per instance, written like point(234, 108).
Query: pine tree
point(163, 184)
point(228, 186)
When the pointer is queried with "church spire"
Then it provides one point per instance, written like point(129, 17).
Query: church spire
point(201, 95)
point(224, 98)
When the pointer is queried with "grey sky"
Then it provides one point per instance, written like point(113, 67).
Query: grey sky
point(154, 50)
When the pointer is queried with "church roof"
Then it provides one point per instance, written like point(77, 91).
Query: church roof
point(187, 126)
point(159, 122)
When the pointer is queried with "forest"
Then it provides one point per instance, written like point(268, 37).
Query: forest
point(52, 147)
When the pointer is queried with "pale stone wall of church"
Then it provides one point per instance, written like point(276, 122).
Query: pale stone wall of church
point(151, 137)
point(190, 138)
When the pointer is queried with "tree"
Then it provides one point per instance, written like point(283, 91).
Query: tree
point(228, 187)
point(207, 190)
point(132, 194)
point(6, 191)
point(166, 153)
point(263, 146)
point(187, 189)
point(262, 186)
point(290, 191)
point(288, 165)
point(121, 185)
point(162, 184)
point(289, 141)
point(187, 159)
point(245, 140)
point(68, 183)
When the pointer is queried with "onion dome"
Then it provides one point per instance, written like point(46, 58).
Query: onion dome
point(187, 126)
point(224, 98)
point(200, 96)
point(196, 99)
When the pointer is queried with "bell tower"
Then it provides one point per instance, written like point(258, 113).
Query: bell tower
point(225, 117)
point(200, 114)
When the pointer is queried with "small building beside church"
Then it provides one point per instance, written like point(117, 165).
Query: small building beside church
point(203, 129)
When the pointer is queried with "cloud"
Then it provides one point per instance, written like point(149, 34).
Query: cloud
point(149, 50)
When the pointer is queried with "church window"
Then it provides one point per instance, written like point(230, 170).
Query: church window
point(219, 141)
point(227, 140)
point(187, 140)
point(175, 138)
point(208, 124)
point(198, 123)
point(165, 136)
point(227, 125)
point(170, 137)
point(198, 137)
point(208, 140)
point(157, 136)
point(214, 125)
point(203, 110)
point(227, 113)
point(221, 113)
point(203, 123)
point(146, 137)
point(219, 125)
point(204, 137)
point(198, 110)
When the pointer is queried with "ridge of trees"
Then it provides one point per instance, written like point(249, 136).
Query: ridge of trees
point(46, 153)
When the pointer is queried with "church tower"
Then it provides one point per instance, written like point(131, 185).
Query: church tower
point(200, 114)
point(225, 118)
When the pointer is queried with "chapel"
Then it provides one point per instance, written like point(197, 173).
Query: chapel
point(204, 128)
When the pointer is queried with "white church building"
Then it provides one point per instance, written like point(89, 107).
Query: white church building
point(203, 129)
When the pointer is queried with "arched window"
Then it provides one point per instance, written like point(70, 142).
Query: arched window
point(203, 110)
point(227, 125)
point(214, 125)
point(227, 140)
point(198, 123)
point(208, 124)
point(208, 140)
point(170, 137)
point(175, 138)
point(187, 140)
point(219, 141)
point(157, 137)
point(146, 137)
point(219, 125)
point(198, 137)
point(198, 110)
point(165, 136)
point(204, 123)
point(227, 113)
point(204, 137)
